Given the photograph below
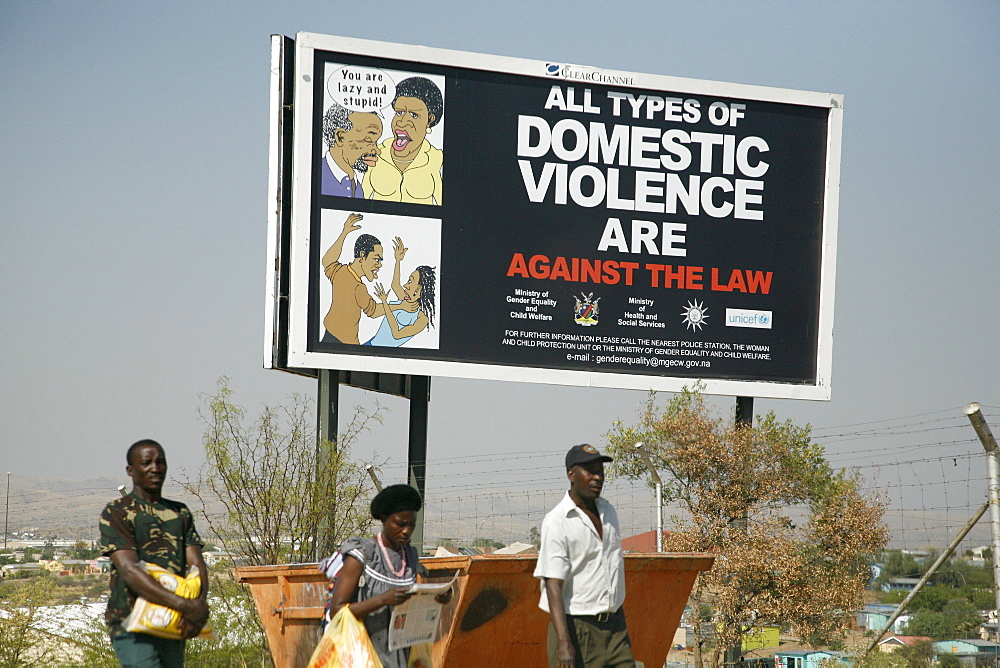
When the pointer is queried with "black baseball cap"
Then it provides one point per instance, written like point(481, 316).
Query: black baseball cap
point(582, 454)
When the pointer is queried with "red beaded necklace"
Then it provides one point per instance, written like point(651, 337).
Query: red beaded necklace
point(385, 555)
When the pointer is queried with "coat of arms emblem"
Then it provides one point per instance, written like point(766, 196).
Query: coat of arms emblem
point(585, 312)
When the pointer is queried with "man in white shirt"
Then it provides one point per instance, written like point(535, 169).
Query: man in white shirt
point(582, 571)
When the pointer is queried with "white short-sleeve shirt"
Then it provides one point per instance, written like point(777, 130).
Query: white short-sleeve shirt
point(592, 569)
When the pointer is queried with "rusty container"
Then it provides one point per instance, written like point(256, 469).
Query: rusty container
point(493, 619)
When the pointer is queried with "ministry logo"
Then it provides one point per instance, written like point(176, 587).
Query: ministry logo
point(586, 311)
point(695, 315)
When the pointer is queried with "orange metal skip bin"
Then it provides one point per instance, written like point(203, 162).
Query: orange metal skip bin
point(493, 619)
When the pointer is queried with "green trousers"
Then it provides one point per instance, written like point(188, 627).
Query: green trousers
point(141, 650)
point(599, 642)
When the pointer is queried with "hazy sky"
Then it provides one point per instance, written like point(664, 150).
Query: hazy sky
point(134, 139)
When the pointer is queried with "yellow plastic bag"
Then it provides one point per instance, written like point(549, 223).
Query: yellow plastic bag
point(345, 644)
point(420, 656)
point(159, 620)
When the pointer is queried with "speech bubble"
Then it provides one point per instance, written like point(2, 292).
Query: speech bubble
point(357, 88)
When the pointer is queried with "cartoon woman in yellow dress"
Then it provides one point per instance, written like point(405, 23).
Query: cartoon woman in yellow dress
point(409, 168)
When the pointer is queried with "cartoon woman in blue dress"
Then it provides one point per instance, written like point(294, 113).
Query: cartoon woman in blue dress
point(414, 311)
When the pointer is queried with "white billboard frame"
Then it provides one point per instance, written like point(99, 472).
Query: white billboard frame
point(300, 358)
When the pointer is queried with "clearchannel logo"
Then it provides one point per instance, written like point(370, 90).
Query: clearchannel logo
point(737, 317)
point(580, 73)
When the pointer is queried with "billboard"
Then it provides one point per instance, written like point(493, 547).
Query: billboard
point(457, 214)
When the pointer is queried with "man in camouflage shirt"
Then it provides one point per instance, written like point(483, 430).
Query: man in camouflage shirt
point(144, 526)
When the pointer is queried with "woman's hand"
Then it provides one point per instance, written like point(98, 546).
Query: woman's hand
point(395, 596)
point(444, 598)
point(399, 249)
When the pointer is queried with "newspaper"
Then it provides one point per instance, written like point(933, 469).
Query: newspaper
point(416, 620)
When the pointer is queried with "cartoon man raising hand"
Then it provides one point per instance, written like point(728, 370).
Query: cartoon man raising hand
point(350, 296)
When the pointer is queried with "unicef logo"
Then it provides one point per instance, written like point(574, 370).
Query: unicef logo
point(764, 319)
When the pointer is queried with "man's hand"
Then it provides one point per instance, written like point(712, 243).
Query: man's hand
point(351, 224)
point(194, 616)
point(566, 654)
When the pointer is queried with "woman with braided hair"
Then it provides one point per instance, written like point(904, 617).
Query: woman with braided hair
point(413, 312)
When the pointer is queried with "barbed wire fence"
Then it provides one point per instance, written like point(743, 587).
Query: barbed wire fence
point(931, 468)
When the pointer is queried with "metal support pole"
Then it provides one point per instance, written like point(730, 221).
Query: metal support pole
point(6, 513)
point(993, 466)
point(658, 501)
point(744, 411)
point(326, 405)
point(744, 418)
point(926, 577)
point(420, 396)
point(659, 516)
point(328, 397)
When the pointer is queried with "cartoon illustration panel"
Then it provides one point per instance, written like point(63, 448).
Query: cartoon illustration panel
point(380, 280)
point(382, 134)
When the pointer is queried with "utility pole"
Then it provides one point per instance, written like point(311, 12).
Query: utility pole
point(993, 466)
point(943, 557)
point(658, 501)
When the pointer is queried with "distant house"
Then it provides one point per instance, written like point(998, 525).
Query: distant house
point(764, 637)
point(52, 565)
point(212, 557)
point(967, 649)
point(805, 658)
point(9, 570)
point(517, 548)
point(761, 637)
point(97, 566)
point(77, 566)
point(876, 572)
point(874, 616)
point(988, 630)
point(893, 643)
point(452, 551)
point(643, 542)
point(900, 584)
point(706, 631)
point(443, 551)
point(65, 566)
point(978, 556)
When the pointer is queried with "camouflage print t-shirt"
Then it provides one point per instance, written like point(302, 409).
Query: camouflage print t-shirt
point(159, 532)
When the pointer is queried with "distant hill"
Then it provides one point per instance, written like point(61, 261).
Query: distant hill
point(69, 509)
